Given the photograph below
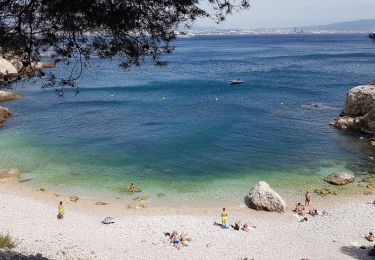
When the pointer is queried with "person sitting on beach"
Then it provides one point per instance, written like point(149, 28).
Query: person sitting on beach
point(297, 207)
point(245, 227)
point(224, 218)
point(370, 237)
point(307, 198)
point(131, 187)
point(301, 210)
point(61, 211)
point(236, 226)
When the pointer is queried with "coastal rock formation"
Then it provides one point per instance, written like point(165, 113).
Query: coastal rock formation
point(262, 197)
point(7, 68)
point(4, 113)
point(324, 192)
point(7, 95)
point(340, 178)
point(359, 110)
point(10, 174)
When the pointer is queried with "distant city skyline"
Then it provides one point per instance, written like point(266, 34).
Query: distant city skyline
point(289, 13)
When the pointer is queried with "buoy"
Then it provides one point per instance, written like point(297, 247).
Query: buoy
point(216, 99)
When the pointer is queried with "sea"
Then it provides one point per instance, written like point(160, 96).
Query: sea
point(183, 135)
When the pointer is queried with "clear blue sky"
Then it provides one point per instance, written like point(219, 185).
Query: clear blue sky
point(288, 13)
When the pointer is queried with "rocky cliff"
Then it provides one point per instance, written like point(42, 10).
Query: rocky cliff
point(359, 110)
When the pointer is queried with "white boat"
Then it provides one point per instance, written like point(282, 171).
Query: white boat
point(236, 81)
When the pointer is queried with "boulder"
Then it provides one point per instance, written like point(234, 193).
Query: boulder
point(10, 174)
point(7, 95)
point(359, 110)
point(4, 113)
point(262, 197)
point(371, 185)
point(340, 178)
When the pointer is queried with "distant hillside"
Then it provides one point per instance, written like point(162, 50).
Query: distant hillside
point(355, 26)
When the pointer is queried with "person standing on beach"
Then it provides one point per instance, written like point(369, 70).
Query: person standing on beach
point(61, 211)
point(224, 218)
point(307, 198)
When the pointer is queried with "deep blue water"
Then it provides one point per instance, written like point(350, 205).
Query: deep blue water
point(182, 125)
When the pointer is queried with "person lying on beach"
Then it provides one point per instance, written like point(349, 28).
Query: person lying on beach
point(307, 198)
point(236, 226)
point(313, 212)
point(61, 211)
point(224, 218)
point(370, 237)
point(245, 227)
point(131, 187)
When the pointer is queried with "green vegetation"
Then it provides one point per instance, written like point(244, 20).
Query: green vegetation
point(6, 242)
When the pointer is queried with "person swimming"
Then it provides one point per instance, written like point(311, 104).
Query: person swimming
point(61, 211)
point(224, 218)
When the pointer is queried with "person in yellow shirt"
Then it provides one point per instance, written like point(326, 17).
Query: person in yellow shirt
point(61, 211)
point(224, 218)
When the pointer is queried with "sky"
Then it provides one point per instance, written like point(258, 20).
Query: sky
point(290, 13)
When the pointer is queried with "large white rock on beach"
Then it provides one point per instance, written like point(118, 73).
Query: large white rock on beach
point(340, 178)
point(262, 197)
point(359, 110)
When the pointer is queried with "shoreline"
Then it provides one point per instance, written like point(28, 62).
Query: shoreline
point(117, 205)
point(31, 220)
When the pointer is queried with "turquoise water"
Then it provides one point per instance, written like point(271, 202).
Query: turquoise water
point(183, 131)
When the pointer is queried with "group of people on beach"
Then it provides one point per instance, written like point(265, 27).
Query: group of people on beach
point(300, 208)
point(178, 241)
point(236, 226)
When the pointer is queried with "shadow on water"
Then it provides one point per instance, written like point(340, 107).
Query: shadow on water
point(11, 255)
point(355, 253)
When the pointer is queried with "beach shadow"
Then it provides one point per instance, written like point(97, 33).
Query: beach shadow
point(355, 253)
point(11, 255)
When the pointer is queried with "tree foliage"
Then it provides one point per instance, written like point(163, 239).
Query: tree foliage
point(76, 30)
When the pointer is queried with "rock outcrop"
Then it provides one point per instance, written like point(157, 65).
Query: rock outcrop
point(340, 178)
point(7, 95)
point(262, 197)
point(359, 110)
point(7, 68)
point(4, 113)
point(10, 174)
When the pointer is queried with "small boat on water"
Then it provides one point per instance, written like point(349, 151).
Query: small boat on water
point(372, 35)
point(236, 81)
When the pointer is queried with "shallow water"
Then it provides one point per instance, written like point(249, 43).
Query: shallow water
point(183, 131)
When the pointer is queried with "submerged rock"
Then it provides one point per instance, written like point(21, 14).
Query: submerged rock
point(73, 198)
point(325, 191)
point(371, 185)
point(10, 174)
point(340, 178)
point(262, 197)
point(4, 113)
